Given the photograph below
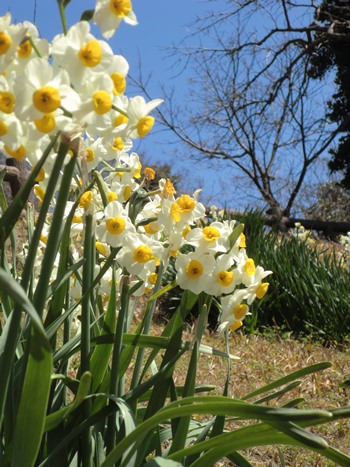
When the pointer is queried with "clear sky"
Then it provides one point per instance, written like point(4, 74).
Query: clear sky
point(162, 23)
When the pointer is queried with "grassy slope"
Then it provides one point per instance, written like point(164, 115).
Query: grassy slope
point(266, 358)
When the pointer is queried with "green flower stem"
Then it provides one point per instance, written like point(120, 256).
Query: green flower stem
point(121, 111)
point(40, 295)
point(115, 380)
point(36, 50)
point(88, 267)
point(6, 364)
point(147, 325)
point(66, 337)
point(182, 425)
point(62, 11)
point(101, 184)
point(86, 294)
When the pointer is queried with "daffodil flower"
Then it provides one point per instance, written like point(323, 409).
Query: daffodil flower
point(233, 311)
point(11, 36)
point(225, 276)
point(140, 122)
point(194, 271)
point(213, 237)
point(110, 13)
point(115, 225)
point(41, 91)
point(140, 255)
point(79, 51)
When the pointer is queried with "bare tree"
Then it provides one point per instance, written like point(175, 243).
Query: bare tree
point(253, 105)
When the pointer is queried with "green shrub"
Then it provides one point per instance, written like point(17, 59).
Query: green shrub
point(309, 289)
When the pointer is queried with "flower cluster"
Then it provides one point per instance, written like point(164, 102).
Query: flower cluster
point(344, 241)
point(75, 87)
point(302, 234)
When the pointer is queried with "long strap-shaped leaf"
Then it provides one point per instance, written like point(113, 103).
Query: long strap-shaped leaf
point(33, 403)
point(31, 415)
point(15, 291)
point(218, 405)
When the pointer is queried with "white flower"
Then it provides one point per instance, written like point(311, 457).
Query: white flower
point(115, 226)
point(116, 147)
point(30, 45)
point(250, 274)
point(194, 270)
point(118, 70)
point(27, 144)
point(140, 255)
point(7, 96)
point(11, 131)
point(186, 210)
point(150, 212)
point(213, 237)
point(93, 152)
point(140, 122)
point(106, 283)
point(79, 52)
point(233, 311)
point(224, 276)
point(10, 37)
point(109, 14)
point(97, 101)
point(257, 288)
point(40, 91)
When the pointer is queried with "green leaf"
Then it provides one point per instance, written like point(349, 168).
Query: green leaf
point(160, 390)
point(30, 419)
point(14, 290)
point(87, 15)
point(161, 462)
point(101, 354)
point(55, 234)
point(280, 393)
point(303, 436)
point(238, 459)
point(286, 379)
point(215, 405)
point(54, 419)
point(236, 232)
point(59, 286)
point(162, 291)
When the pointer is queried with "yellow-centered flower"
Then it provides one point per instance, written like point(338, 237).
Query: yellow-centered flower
point(142, 254)
point(46, 99)
point(194, 269)
point(115, 225)
point(46, 123)
point(90, 54)
point(120, 8)
point(102, 102)
point(5, 42)
point(7, 102)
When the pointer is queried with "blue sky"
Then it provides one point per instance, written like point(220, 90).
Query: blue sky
point(162, 23)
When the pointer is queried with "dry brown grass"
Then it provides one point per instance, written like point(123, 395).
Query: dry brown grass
point(264, 359)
